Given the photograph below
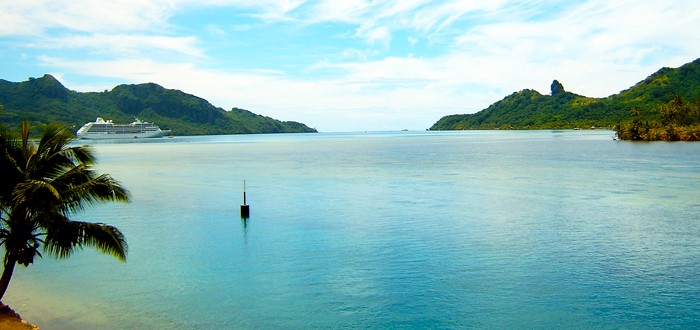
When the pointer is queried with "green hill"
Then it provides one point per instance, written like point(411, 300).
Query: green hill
point(529, 109)
point(45, 100)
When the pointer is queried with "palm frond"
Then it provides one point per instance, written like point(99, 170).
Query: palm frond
point(11, 175)
point(12, 172)
point(27, 148)
point(107, 239)
point(64, 238)
point(4, 235)
point(53, 162)
point(54, 138)
point(36, 195)
point(51, 158)
point(72, 177)
point(80, 154)
point(96, 190)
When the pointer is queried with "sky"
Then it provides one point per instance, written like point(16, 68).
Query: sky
point(349, 65)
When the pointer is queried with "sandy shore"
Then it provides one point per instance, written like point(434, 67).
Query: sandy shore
point(10, 320)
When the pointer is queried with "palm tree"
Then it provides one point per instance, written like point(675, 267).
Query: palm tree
point(41, 187)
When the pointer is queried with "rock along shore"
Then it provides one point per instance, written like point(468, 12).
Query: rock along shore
point(11, 320)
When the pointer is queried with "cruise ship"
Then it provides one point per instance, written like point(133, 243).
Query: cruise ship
point(106, 129)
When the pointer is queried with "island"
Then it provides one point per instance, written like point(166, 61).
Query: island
point(664, 106)
point(45, 100)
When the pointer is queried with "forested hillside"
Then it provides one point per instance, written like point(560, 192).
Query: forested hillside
point(529, 109)
point(45, 100)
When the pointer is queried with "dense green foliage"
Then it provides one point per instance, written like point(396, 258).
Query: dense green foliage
point(45, 100)
point(678, 120)
point(529, 109)
point(42, 187)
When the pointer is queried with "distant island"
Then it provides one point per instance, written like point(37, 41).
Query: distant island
point(663, 106)
point(45, 100)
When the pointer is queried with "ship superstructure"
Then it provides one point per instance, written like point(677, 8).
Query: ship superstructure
point(106, 129)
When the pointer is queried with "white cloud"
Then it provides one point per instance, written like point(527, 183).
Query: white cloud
point(350, 54)
point(376, 36)
point(13, 23)
point(348, 11)
point(126, 45)
point(434, 18)
point(38, 16)
point(598, 44)
point(346, 103)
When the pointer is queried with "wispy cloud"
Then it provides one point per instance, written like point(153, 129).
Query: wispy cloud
point(116, 45)
point(42, 16)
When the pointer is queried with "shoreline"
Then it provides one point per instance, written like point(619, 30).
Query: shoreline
point(11, 320)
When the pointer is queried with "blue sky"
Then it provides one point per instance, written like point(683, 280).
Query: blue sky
point(349, 65)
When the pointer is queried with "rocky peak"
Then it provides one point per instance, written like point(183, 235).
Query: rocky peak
point(557, 87)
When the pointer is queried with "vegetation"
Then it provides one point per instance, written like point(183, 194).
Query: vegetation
point(42, 187)
point(677, 120)
point(45, 100)
point(529, 109)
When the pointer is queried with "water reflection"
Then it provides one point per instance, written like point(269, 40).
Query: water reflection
point(244, 222)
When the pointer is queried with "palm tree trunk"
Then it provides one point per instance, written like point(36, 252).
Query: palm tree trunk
point(10, 262)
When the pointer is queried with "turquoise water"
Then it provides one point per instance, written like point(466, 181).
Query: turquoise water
point(535, 229)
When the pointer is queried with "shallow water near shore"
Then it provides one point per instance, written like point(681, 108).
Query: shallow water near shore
point(483, 229)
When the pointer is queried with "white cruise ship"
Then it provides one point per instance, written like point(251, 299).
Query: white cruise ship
point(106, 129)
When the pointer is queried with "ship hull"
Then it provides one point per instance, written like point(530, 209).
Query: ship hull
point(116, 136)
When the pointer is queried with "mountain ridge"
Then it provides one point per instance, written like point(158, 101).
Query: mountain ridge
point(45, 100)
point(528, 109)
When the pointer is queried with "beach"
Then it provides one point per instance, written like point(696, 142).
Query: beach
point(10, 320)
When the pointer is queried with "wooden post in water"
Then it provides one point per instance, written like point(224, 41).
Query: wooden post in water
point(245, 208)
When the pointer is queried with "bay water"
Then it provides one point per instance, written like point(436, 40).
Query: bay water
point(474, 229)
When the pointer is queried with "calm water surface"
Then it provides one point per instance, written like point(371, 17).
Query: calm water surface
point(541, 229)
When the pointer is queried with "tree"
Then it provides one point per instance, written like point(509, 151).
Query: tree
point(679, 112)
point(634, 132)
point(42, 187)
